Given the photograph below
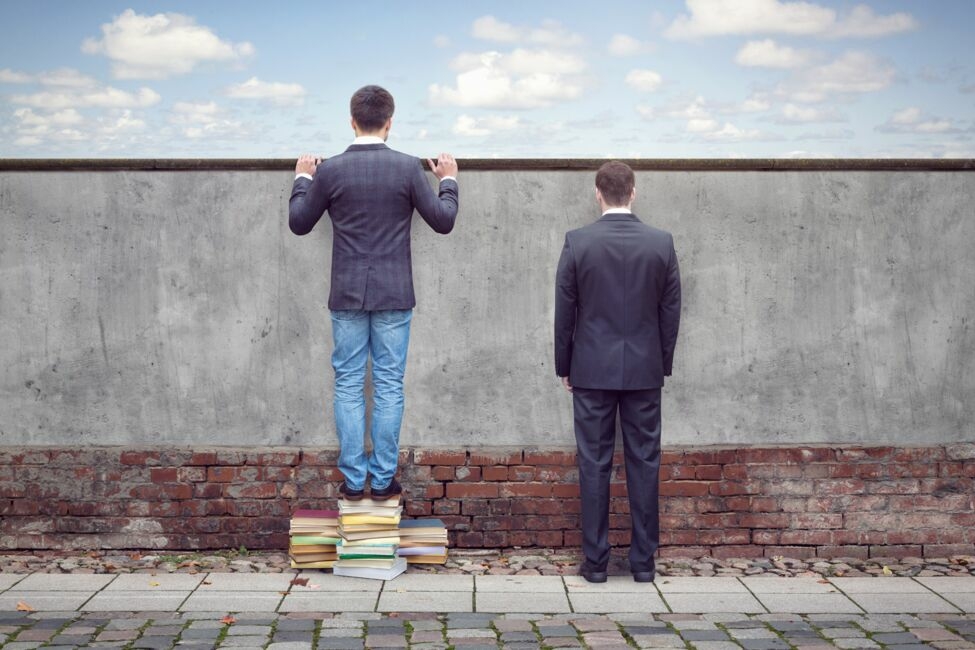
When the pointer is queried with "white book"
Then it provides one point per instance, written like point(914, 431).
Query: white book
point(398, 567)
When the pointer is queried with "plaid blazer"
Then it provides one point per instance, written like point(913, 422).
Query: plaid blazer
point(370, 193)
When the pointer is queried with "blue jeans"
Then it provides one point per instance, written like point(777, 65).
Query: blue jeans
point(386, 335)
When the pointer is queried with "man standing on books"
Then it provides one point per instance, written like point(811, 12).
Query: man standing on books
point(617, 310)
point(370, 192)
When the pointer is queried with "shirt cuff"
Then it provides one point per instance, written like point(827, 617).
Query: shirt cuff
point(308, 176)
point(449, 178)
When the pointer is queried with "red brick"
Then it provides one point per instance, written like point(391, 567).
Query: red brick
point(164, 475)
point(896, 551)
point(417, 508)
point(729, 488)
point(699, 456)
point(443, 472)
point(946, 550)
point(521, 473)
point(725, 536)
point(864, 453)
point(708, 472)
point(549, 457)
point(469, 490)
point(139, 458)
point(319, 458)
point(557, 474)
point(679, 472)
point(495, 473)
point(439, 457)
point(766, 520)
point(733, 551)
point(251, 491)
point(567, 490)
point(524, 489)
point(202, 458)
point(465, 473)
point(832, 552)
point(446, 507)
point(221, 474)
point(496, 457)
point(806, 537)
point(795, 552)
point(470, 540)
point(685, 488)
point(435, 491)
point(475, 507)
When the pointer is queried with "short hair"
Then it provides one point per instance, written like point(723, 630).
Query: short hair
point(615, 182)
point(371, 107)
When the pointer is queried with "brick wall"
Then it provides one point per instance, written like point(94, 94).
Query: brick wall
point(725, 502)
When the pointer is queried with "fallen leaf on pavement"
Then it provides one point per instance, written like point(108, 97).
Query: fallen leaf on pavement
point(135, 556)
point(153, 584)
point(301, 582)
point(228, 620)
point(24, 607)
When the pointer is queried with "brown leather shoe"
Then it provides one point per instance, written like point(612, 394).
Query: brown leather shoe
point(350, 495)
point(391, 491)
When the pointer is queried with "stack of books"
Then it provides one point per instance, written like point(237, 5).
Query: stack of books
point(423, 541)
point(369, 532)
point(314, 539)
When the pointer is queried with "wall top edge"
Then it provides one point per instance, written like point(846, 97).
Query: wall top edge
point(504, 164)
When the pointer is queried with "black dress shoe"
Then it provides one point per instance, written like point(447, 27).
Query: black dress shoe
point(591, 575)
point(643, 576)
point(349, 494)
point(391, 491)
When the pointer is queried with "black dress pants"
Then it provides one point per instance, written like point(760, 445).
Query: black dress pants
point(595, 428)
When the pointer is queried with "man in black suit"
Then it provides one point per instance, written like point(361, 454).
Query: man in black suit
point(617, 310)
point(370, 193)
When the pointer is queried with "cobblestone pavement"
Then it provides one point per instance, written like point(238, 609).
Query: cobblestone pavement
point(474, 631)
point(509, 562)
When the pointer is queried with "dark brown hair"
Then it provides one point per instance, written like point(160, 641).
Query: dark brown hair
point(371, 107)
point(615, 182)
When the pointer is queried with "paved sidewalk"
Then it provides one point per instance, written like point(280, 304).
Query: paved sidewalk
point(319, 610)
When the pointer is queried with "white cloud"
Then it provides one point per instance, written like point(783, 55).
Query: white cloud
point(702, 125)
point(643, 80)
point(160, 46)
point(769, 54)
point(624, 45)
point(519, 80)
point(9, 76)
point(199, 120)
point(121, 124)
point(272, 92)
point(913, 120)
point(34, 128)
point(851, 73)
point(792, 114)
point(441, 41)
point(67, 77)
point(743, 17)
point(469, 126)
point(551, 33)
point(99, 97)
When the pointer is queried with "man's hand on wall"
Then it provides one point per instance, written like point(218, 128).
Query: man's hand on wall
point(444, 166)
point(307, 164)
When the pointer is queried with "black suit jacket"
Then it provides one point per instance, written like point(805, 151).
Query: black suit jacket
point(370, 192)
point(617, 305)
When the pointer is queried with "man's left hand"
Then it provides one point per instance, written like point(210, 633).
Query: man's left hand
point(565, 382)
point(307, 164)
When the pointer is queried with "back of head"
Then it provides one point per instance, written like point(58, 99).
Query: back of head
point(615, 181)
point(371, 107)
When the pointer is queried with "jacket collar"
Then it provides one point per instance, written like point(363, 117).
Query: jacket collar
point(619, 216)
point(367, 147)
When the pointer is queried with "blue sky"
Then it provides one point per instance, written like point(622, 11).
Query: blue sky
point(682, 78)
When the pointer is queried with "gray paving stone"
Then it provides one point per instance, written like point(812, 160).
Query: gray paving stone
point(238, 629)
point(842, 632)
point(292, 624)
point(296, 636)
point(154, 643)
point(764, 644)
point(472, 634)
point(427, 625)
point(200, 633)
point(426, 636)
point(237, 582)
point(704, 635)
point(339, 644)
point(349, 601)
point(232, 602)
point(17, 645)
point(752, 633)
point(61, 582)
point(290, 645)
point(515, 637)
point(853, 643)
point(600, 603)
point(135, 601)
point(557, 629)
point(658, 641)
point(425, 601)
point(52, 601)
point(206, 625)
point(386, 641)
point(895, 638)
point(716, 645)
point(162, 630)
point(714, 602)
point(520, 585)
point(521, 602)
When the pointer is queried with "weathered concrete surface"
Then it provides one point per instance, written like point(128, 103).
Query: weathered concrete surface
point(156, 308)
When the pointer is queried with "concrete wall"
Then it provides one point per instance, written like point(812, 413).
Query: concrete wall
point(152, 308)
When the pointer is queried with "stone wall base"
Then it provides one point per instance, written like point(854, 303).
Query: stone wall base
point(808, 501)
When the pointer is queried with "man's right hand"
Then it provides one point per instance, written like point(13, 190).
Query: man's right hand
point(445, 166)
point(307, 164)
